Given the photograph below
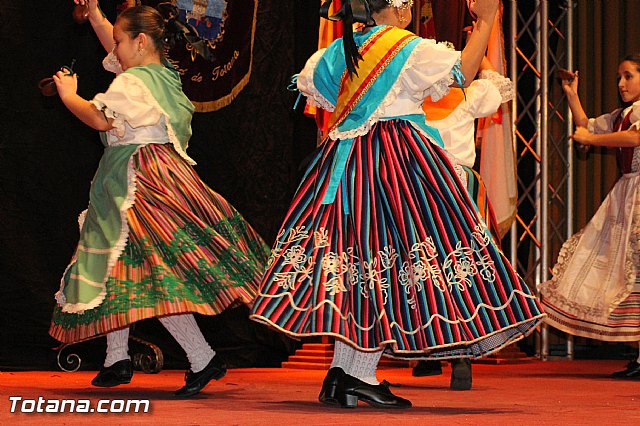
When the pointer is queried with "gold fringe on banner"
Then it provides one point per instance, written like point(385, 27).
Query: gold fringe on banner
point(213, 84)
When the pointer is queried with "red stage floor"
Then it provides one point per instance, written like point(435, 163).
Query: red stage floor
point(533, 393)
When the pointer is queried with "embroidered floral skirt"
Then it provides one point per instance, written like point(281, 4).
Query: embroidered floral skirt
point(399, 260)
point(188, 250)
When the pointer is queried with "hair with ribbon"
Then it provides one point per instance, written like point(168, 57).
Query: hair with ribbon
point(357, 11)
point(350, 12)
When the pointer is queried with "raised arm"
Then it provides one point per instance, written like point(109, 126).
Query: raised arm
point(570, 87)
point(476, 46)
point(101, 25)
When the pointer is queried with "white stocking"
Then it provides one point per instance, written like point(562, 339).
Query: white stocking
point(185, 330)
point(117, 346)
point(364, 366)
point(342, 356)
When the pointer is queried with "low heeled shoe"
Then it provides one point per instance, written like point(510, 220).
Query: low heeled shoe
point(632, 372)
point(195, 382)
point(460, 374)
point(119, 373)
point(427, 368)
point(329, 391)
point(353, 390)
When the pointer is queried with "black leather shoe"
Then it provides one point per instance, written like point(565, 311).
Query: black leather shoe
point(195, 382)
point(328, 393)
point(119, 373)
point(632, 372)
point(352, 390)
point(427, 368)
point(460, 374)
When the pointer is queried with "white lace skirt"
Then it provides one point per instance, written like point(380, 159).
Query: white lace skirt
point(594, 291)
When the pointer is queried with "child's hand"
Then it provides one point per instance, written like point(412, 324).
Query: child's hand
point(94, 9)
point(66, 84)
point(582, 135)
point(93, 4)
point(570, 84)
point(484, 9)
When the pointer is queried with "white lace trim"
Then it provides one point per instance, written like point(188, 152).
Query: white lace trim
point(460, 171)
point(307, 87)
point(439, 89)
point(118, 122)
point(635, 116)
point(126, 205)
point(81, 218)
point(111, 63)
point(317, 100)
point(116, 251)
point(151, 100)
point(635, 162)
point(599, 313)
point(503, 84)
point(148, 97)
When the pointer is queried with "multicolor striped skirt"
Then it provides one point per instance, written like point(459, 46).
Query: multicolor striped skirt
point(400, 260)
point(188, 250)
point(478, 193)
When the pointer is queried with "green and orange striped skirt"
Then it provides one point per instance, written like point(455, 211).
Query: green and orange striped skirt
point(188, 250)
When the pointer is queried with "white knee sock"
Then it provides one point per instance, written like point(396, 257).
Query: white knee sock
point(364, 366)
point(185, 330)
point(342, 355)
point(117, 346)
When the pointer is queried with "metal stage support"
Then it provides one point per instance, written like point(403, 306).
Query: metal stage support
point(539, 41)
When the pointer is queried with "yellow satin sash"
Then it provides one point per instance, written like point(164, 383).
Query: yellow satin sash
point(377, 51)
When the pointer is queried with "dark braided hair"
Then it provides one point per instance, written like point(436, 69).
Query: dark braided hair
point(350, 12)
point(143, 19)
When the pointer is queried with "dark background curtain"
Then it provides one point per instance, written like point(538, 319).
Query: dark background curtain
point(249, 152)
point(606, 32)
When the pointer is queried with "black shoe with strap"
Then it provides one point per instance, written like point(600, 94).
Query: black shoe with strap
point(195, 382)
point(119, 373)
point(632, 372)
point(352, 390)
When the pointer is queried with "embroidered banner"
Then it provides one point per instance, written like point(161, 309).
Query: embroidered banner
point(228, 29)
point(423, 19)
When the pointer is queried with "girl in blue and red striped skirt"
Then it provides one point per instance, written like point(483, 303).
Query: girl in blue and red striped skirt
point(382, 247)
